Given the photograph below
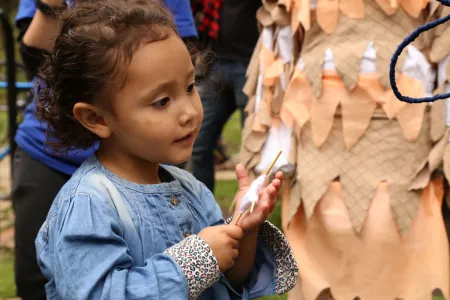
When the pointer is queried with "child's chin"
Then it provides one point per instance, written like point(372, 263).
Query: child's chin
point(181, 159)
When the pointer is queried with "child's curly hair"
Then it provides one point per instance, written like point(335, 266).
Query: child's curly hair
point(89, 61)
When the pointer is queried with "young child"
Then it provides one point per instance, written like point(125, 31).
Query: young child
point(125, 226)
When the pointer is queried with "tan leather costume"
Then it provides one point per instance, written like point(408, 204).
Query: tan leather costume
point(363, 209)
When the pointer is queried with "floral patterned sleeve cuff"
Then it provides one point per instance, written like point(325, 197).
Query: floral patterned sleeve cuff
point(198, 263)
point(286, 266)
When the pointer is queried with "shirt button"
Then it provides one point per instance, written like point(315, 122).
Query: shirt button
point(174, 201)
point(187, 234)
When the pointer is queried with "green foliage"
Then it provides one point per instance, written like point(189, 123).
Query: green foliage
point(7, 286)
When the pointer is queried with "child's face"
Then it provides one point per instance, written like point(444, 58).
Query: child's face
point(157, 115)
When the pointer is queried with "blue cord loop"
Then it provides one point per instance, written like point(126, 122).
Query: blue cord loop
point(411, 38)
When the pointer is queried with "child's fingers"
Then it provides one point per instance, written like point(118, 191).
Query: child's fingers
point(279, 175)
point(242, 176)
point(234, 243)
point(276, 183)
point(234, 254)
point(265, 206)
point(263, 196)
point(271, 190)
point(266, 200)
point(274, 188)
point(233, 231)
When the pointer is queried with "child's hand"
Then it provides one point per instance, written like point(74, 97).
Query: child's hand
point(224, 242)
point(268, 198)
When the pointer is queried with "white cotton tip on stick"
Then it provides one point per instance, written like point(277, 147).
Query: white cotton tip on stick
point(251, 197)
point(266, 174)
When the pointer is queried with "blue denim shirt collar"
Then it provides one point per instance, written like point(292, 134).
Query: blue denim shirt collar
point(171, 187)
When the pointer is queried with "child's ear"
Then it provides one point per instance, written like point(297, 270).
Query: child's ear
point(91, 117)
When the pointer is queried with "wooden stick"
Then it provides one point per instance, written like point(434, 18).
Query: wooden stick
point(234, 222)
point(273, 163)
point(267, 173)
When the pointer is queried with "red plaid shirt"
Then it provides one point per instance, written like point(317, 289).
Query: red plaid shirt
point(208, 10)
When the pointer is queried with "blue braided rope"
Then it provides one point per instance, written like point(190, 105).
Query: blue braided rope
point(411, 38)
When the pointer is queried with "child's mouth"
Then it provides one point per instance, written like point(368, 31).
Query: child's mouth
point(186, 141)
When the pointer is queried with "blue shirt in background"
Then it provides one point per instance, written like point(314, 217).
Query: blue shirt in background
point(31, 136)
point(181, 9)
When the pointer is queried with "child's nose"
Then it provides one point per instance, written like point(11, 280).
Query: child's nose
point(190, 112)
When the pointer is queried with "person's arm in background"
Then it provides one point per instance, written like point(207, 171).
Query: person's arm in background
point(43, 29)
point(37, 33)
point(184, 20)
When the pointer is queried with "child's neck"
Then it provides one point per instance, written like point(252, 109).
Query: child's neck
point(129, 167)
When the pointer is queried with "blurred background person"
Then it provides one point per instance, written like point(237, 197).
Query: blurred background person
point(228, 34)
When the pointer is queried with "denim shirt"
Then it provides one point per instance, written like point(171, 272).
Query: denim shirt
point(108, 238)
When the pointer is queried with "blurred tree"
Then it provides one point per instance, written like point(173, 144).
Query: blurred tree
point(8, 5)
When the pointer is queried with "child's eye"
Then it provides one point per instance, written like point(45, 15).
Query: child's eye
point(190, 88)
point(161, 103)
